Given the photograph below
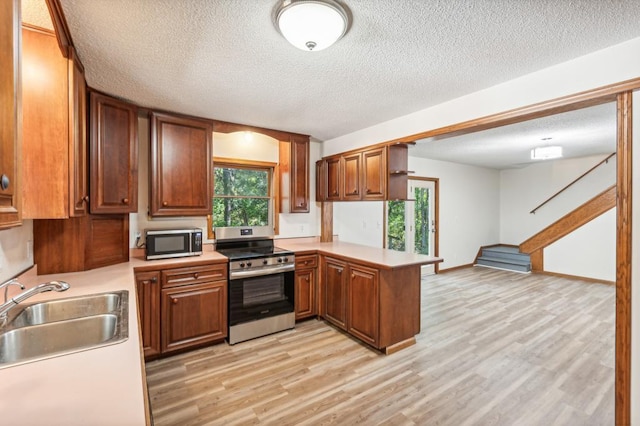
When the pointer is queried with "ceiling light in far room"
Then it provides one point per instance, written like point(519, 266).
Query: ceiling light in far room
point(546, 152)
point(311, 25)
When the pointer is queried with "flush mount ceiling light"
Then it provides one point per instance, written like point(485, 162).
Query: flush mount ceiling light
point(546, 152)
point(311, 25)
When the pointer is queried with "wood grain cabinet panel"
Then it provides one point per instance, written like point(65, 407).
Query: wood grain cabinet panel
point(363, 308)
point(113, 154)
point(193, 315)
point(54, 133)
point(294, 175)
point(374, 174)
point(335, 292)
point(321, 180)
point(306, 289)
point(352, 174)
point(148, 292)
point(334, 178)
point(181, 180)
point(10, 114)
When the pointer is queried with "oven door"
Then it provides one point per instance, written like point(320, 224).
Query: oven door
point(253, 298)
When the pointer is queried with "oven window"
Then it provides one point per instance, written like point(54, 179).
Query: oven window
point(261, 290)
point(242, 196)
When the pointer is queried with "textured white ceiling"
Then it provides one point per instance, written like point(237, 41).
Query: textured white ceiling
point(35, 12)
point(580, 133)
point(224, 59)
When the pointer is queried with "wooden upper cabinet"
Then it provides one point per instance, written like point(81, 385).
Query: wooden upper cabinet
point(373, 174)
point(181, 180)
point(364, 175)
point(113, 155)
point(333, 170)
point(10, 114)
point(294, 175)
point(352, 164)
point(54, 154)
point(78, 175)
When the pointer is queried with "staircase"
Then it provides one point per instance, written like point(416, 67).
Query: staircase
point(504, 257)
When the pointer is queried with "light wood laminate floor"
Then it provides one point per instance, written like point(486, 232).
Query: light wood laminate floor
point(496, 348)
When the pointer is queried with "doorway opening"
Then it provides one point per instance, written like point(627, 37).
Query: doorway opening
point(412, 225)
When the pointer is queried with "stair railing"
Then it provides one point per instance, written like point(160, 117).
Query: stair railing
point(606, 160)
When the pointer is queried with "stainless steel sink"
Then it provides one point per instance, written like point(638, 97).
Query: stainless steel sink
point(69, 308)
point(59, 327)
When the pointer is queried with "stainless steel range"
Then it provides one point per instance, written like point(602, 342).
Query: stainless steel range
point(261, 287)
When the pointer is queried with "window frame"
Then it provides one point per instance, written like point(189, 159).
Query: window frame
point(274, 193)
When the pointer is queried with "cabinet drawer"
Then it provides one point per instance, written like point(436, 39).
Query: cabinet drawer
point(310, 261)
point(193, 275)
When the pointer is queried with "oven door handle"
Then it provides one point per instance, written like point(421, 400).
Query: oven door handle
point(261, 272)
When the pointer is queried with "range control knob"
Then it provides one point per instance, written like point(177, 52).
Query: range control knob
point(286, 259)
point(248, 264)
point(279, 260)
point(242, 265)
point(264, 262)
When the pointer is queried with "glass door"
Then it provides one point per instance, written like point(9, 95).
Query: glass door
point(411, 225)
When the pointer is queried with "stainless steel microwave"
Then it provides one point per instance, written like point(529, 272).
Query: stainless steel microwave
point(170, 243)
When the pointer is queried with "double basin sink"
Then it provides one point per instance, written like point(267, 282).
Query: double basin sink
point(58, 327)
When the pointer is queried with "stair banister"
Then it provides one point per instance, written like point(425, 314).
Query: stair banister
point(606, 160)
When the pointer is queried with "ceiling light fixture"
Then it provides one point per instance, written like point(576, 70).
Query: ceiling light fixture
point(311, 25)
point(546, 152)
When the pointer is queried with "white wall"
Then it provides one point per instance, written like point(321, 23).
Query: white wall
point(635, 268)
point(587, 252)
point(16, 250)
point(523, 189)
point(469, 208)
point(359, 222)
point(235, 146)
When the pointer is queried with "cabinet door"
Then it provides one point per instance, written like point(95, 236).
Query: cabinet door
point(374, 181)
point(334, 178)
point(193, 315)
point(305, 293)
point(352, 176)
point(78, 198)
point(335, 292)
point(299, 176)
point(321, 180)
point(107, 240)
point(148, 290)
point(180, 168)
point(10, 113)
point(363, 303)
point(113, 156)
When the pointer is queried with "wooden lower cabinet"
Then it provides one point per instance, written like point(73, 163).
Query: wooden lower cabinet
point(181, 308)
point(193, 315)
point(148, 290)
point(379, 306)
point(363, 311)
point(306, 286)
point(334, 291)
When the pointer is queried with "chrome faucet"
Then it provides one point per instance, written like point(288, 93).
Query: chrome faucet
point(6, 284)
point(40, 288)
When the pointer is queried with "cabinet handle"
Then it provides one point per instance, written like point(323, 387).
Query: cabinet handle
point(334, 193)
point(154, 280)
point(368, 191)
point(302, 204)
point(339, 271)
point(125, 201)
point(195, 275)
point(174, 301)
point(85, 198)
point(306, 279)
point(354, 192)
point(4, 182)
point(306, 262)
point(165, 204)
point(353, 276)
